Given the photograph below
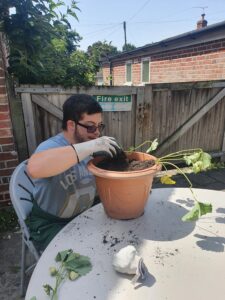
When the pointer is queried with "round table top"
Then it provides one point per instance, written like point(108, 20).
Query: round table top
point(185, 260)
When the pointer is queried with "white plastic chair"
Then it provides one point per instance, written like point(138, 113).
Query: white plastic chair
point(20, 188)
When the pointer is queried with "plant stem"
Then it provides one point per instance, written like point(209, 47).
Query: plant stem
point(181, 153)
point(139, 146)
point(59, 278)
point(185, 176)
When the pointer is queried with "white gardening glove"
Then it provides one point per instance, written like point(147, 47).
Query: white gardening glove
point(127, 261)
point(103, 146)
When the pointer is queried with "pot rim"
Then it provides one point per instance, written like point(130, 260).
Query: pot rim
point(123, 174)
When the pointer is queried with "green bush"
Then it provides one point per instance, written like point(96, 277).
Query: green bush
point(8, 219)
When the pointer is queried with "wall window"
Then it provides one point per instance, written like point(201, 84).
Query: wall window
point(145, 70)
point(129, 71)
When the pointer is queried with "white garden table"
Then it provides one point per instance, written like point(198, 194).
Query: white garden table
point(186, 260)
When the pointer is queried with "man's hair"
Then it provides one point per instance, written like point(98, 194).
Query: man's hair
point(75, 106)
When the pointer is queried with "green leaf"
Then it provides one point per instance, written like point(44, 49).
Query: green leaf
point(33, 298)
point(63, 255)
point(47, 289)
point(192, 215)
point(80, 265)
point(197, 167)
point(205, 208)
point(153, 146)
point(206, 160)
point(72, 256)
point(198, 210)
point(190, 159)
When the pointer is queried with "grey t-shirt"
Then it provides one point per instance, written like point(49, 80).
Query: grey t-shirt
point(69, 193)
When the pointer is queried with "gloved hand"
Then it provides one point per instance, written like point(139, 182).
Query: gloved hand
point(103, 146)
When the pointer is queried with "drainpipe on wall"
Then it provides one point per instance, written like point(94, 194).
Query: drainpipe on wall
point(110, 73)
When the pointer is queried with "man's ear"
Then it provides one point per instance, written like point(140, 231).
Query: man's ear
point(71, 126)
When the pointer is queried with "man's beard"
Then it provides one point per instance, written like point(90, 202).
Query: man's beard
point(78, 138)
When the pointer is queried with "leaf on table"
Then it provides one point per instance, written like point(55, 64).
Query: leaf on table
point(80, 265)
point(205, 208)
point(193, 214)
point(198, 210)
point(63, 255)
point(72, 256)
point(47, 289)
point(166, 179)
point(33, 298)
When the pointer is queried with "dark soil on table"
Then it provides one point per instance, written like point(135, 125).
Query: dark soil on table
point(122, 163)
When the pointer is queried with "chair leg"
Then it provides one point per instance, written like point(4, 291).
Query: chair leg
point(23, 261)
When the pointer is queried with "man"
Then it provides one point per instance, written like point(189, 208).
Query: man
point(63, 185)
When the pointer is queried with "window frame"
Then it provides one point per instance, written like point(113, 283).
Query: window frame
point(126, 63)
point(143, 60)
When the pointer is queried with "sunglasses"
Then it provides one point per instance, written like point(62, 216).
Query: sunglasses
point(92, 128)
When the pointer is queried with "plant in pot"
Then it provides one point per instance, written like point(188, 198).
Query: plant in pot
point(124, 182)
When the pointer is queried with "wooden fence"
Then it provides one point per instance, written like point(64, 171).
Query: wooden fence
point(181, 116)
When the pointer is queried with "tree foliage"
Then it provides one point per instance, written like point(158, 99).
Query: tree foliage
point(41, 41)
point(43, 46)
point(100, 50)
point(128, 47)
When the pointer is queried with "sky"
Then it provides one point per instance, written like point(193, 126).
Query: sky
point(147, 21)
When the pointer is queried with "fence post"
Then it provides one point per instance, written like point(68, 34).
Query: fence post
point(29, 121)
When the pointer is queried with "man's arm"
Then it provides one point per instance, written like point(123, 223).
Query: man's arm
point(51, 162)
point(54, 161)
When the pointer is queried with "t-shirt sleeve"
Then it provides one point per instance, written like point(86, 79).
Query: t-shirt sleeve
point(49, 144)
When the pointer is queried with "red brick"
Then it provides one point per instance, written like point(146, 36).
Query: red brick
point(4, 116)
point(2, 89)
point(12, 163)
point(4, 107)
point(4, 187)
point(5, 124)
point(4, 99)
point(6, 196)
point(2, 165)
point(6, 140)
point(6, 172)
point(5, 132)
point(2, 80)
point(2, 73)
point(8, 148)
point(7, 156)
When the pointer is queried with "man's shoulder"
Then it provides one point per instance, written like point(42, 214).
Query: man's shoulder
point(53, 142)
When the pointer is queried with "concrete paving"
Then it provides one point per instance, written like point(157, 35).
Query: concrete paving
point(10, 242)
point(213, 179)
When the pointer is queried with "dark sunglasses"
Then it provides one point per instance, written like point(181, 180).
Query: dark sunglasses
point(92, 128)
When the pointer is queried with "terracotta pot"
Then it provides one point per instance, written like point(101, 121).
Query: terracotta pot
point(124, 194)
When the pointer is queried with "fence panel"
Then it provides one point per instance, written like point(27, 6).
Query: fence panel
point(180, 115)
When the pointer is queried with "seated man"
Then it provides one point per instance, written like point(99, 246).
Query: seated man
point(63, 185)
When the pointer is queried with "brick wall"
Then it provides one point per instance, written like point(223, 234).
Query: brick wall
point(203, 62)
point(200, 63)
point(8, 156)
